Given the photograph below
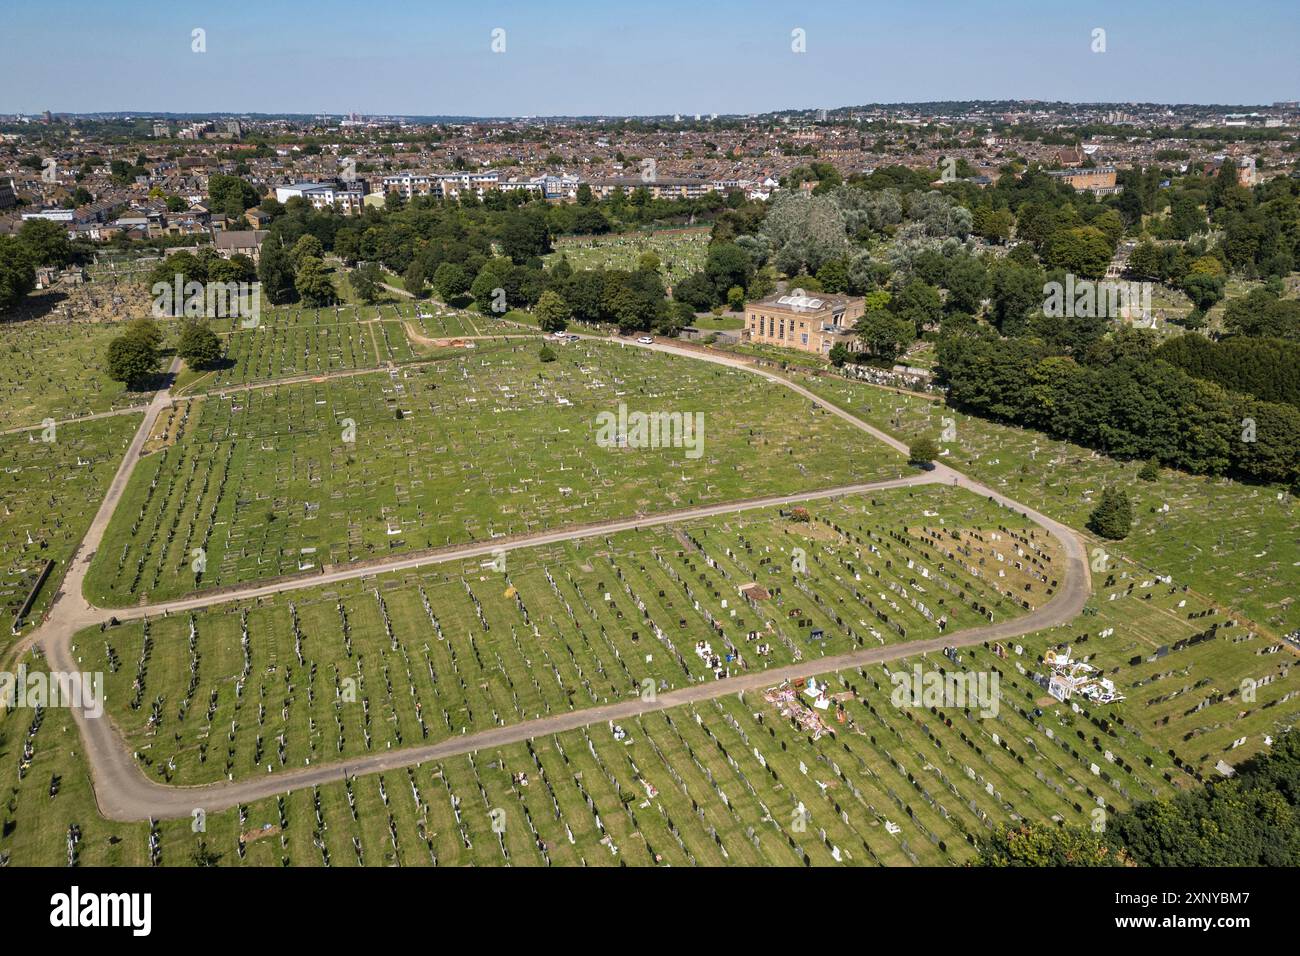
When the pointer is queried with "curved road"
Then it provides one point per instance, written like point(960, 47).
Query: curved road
point(123, 792)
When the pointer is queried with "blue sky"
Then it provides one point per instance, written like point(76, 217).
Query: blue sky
point(635, 57)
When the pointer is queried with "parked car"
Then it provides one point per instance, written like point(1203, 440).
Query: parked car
point(646, 340)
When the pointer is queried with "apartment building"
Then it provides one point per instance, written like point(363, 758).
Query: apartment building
point(809, 323)
point(348, 197)
point(661, 187)
point(1100, 181)
point(440, 185)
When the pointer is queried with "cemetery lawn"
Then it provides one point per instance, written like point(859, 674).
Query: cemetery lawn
point(49, 491)
point(463, 648)
point(1238, 544)
point(295, 342)
point(53, 369)
point(484, 443)
point(680, 251)
point(718, 323)
point(888, 785)
point(792, 358)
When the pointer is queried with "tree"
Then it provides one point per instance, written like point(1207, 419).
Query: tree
point(313, 283)
point(546, 354)
point(1049, 845)
point(238, 268)
point(365, 283)
point(885, 335)
point(736, 299)
point(131, 360)
point(918, 303)
point(1017, 293)
point(202, 856)
point(1144, 261)
point(525, 235)
point(198, 345)
point(46, 242)
point(697, 291)
point(839, 355)
point(993, 224)
point(491, 287)
point(230, 195)
point(347, 244)
point(968, 285)
point(307, 245)
point(553, 313)
point(415, 277)
point(1203, 289)
point(1185, 218)
point(590, 221)
point(1261, 313)
point(676, 317)
point(17, 274)
point(275, 272)
point(804, 231)
point(451, 281)
point(923, 451)
point(834, 275)
point(1113, 516)
point(727, 265)
point(1149, 471)
point(1249, 820)
point(1085, 251)
point(146, 330)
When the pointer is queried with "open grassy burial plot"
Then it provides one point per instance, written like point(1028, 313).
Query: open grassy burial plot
point(57, 370)
point(488, 443)
point(1200, 684)
point(385, 662)
point(49, 491)
point(833, 771)
point(1237, 543)
point(680, 251)
point(726, 782)
point(286, 343)
point(296, 342)
point(436, 321)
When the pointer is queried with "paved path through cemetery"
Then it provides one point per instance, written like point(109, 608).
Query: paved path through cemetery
point(123, 792)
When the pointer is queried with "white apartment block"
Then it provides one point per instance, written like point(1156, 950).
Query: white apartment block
point(440, 185)
point(347, 197)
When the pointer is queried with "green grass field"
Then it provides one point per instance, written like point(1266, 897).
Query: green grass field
point(488, 442)
point(296, 342)
point(465, 649)
point(49, 491)
point(717, 783)
point(719, 323)
point(680, 251)
point(263, 481)
point(1238, 544)
point(56, 370)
